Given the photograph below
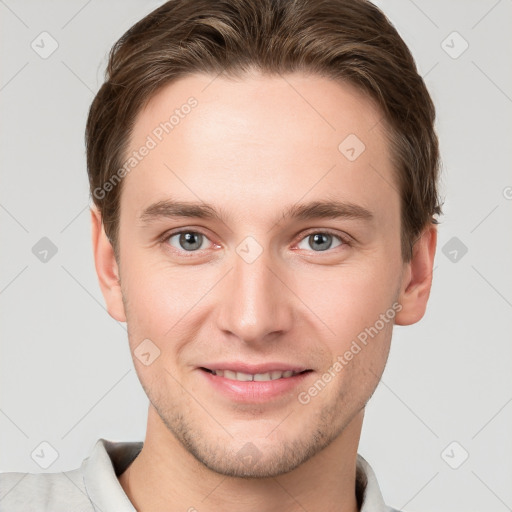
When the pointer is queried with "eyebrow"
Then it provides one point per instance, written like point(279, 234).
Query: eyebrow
point(306, 211)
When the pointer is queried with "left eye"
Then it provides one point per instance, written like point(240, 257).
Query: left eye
point(320, 241)
point(188, 240)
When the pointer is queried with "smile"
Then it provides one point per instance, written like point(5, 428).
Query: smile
point(259, 377)
point(251, 388)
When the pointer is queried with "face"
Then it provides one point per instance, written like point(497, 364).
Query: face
point(258, 236)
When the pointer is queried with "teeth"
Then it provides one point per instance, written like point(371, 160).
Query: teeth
point(260, 377)
point(242, 376)
point(230, 375)
point(265, 376)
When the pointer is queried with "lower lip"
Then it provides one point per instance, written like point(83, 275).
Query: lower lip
point(254, 391)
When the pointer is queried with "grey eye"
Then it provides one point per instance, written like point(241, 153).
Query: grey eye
point(188, 240)
point(319, 241)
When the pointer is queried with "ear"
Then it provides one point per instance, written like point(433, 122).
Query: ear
point(106, 268)
point(417, 278)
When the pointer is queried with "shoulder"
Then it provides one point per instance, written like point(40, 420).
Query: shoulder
point(92, 486)
point(55, 492)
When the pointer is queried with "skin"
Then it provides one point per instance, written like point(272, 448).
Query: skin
point(251, 148)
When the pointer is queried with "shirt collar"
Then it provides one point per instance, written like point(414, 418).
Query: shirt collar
point(366, 484)
point(109, 459)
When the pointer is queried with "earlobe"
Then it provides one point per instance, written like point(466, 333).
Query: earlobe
point(417, 278)
point(106, 268)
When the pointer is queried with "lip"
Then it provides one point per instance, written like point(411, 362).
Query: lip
point(238, 366)
point(255, 392)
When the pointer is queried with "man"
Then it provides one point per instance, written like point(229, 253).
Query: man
point(265, 184)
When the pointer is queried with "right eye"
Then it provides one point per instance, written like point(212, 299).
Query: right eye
point(189, 241)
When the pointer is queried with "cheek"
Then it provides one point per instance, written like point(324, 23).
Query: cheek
point(359, 356)
point(163, 300)
point(154, 298)
point(349, 299)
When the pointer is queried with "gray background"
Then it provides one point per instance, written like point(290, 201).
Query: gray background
point(66, 373)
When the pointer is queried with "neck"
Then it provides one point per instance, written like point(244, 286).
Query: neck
point(166, 477)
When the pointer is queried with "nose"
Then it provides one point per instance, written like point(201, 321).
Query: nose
point(256, 305)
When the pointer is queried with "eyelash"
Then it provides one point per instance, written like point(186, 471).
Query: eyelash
point(344, 239)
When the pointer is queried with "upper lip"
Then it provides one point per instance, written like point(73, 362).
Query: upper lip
point(236, 366)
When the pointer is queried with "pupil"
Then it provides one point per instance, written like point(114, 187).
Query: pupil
point(190, 241)
point(319, 238)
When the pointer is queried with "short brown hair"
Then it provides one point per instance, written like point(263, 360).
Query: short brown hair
point(346, 40)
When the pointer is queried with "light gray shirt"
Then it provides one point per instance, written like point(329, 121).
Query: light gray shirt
point(94, 486)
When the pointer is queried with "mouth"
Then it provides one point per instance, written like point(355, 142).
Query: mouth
point(256, 377)
point(254, 388)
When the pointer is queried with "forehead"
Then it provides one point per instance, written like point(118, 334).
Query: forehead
point(270, 139)
point(257, 108)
